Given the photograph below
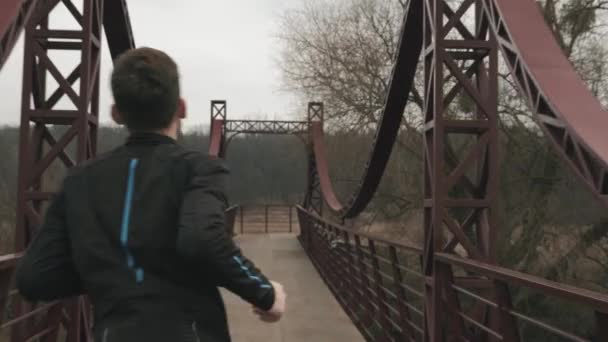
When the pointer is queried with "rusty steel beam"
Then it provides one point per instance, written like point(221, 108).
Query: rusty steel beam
point(460, 183)
point(51, 134)
point(401, 83)
point(215, 139)
point(14, 15)
point(322, 167)
point(217, 130)
point(595, 300)
point(266, 127)
point(314, 197)
point(219, 110)
point(572, 118)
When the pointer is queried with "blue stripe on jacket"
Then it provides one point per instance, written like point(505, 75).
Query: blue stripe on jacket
point(126, 220)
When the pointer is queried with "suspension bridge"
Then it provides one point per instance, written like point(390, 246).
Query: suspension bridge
point(369, 288)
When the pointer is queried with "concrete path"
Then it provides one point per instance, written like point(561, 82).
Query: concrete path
point(312, 315)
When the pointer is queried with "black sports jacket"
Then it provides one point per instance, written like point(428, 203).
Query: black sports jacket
point(140, 230)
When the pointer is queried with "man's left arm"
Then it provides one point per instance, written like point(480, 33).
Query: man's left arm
point(47, 271)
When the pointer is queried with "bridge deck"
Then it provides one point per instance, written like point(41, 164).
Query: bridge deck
point(312, 315)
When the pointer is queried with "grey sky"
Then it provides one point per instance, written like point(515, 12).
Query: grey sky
point(225, 49)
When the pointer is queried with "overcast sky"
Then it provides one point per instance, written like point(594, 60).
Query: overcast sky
point(226, 49)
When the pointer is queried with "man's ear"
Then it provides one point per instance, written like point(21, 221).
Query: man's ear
point(116, 116)
point(181, 109)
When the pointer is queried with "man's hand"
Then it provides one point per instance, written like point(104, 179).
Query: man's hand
point(278, 308)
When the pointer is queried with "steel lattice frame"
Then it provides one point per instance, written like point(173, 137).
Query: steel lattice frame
point(42, 118)
point(460, 185)
point(266, 127)
point(219, 110)
point(573, 150)
point(219, 113)
point(314, 199)
point(223, 131)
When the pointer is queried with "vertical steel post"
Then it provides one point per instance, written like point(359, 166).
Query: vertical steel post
point(382, 313)
point(266, 219)
point(461, 151)
point(65, 111)
point(314, 197)
point(407, 333)
point(219, 112)
point(601, 326)
point(241, 213)
point(433, 102)
point(291, 219)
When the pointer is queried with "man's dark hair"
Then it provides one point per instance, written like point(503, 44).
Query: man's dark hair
point(145, 84)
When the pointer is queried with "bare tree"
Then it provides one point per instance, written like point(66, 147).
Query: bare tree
point(342, 53)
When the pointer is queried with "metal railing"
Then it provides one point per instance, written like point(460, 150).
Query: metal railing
point(230, 219)
point(266, 219)
point(26, 321)
point(587, 317)
point(380, 285)
point(266, 127)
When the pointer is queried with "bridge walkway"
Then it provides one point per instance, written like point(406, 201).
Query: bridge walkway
point(312, 315)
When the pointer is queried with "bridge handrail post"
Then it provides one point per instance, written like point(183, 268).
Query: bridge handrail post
point(364, 282)
point(266, 218)
point(404, 316)
point(349, 269)
point(380, 294)
point(601, 326)
point(290, 219)
point(242, 213)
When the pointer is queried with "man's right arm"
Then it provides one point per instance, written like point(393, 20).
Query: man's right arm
point(47, 271)
point(202, 236)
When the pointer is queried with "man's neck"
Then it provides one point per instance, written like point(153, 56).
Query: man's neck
point(172, 131)
point(169, 132)
point(166, 133)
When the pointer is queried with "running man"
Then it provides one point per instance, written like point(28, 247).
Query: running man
point(140, 230)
